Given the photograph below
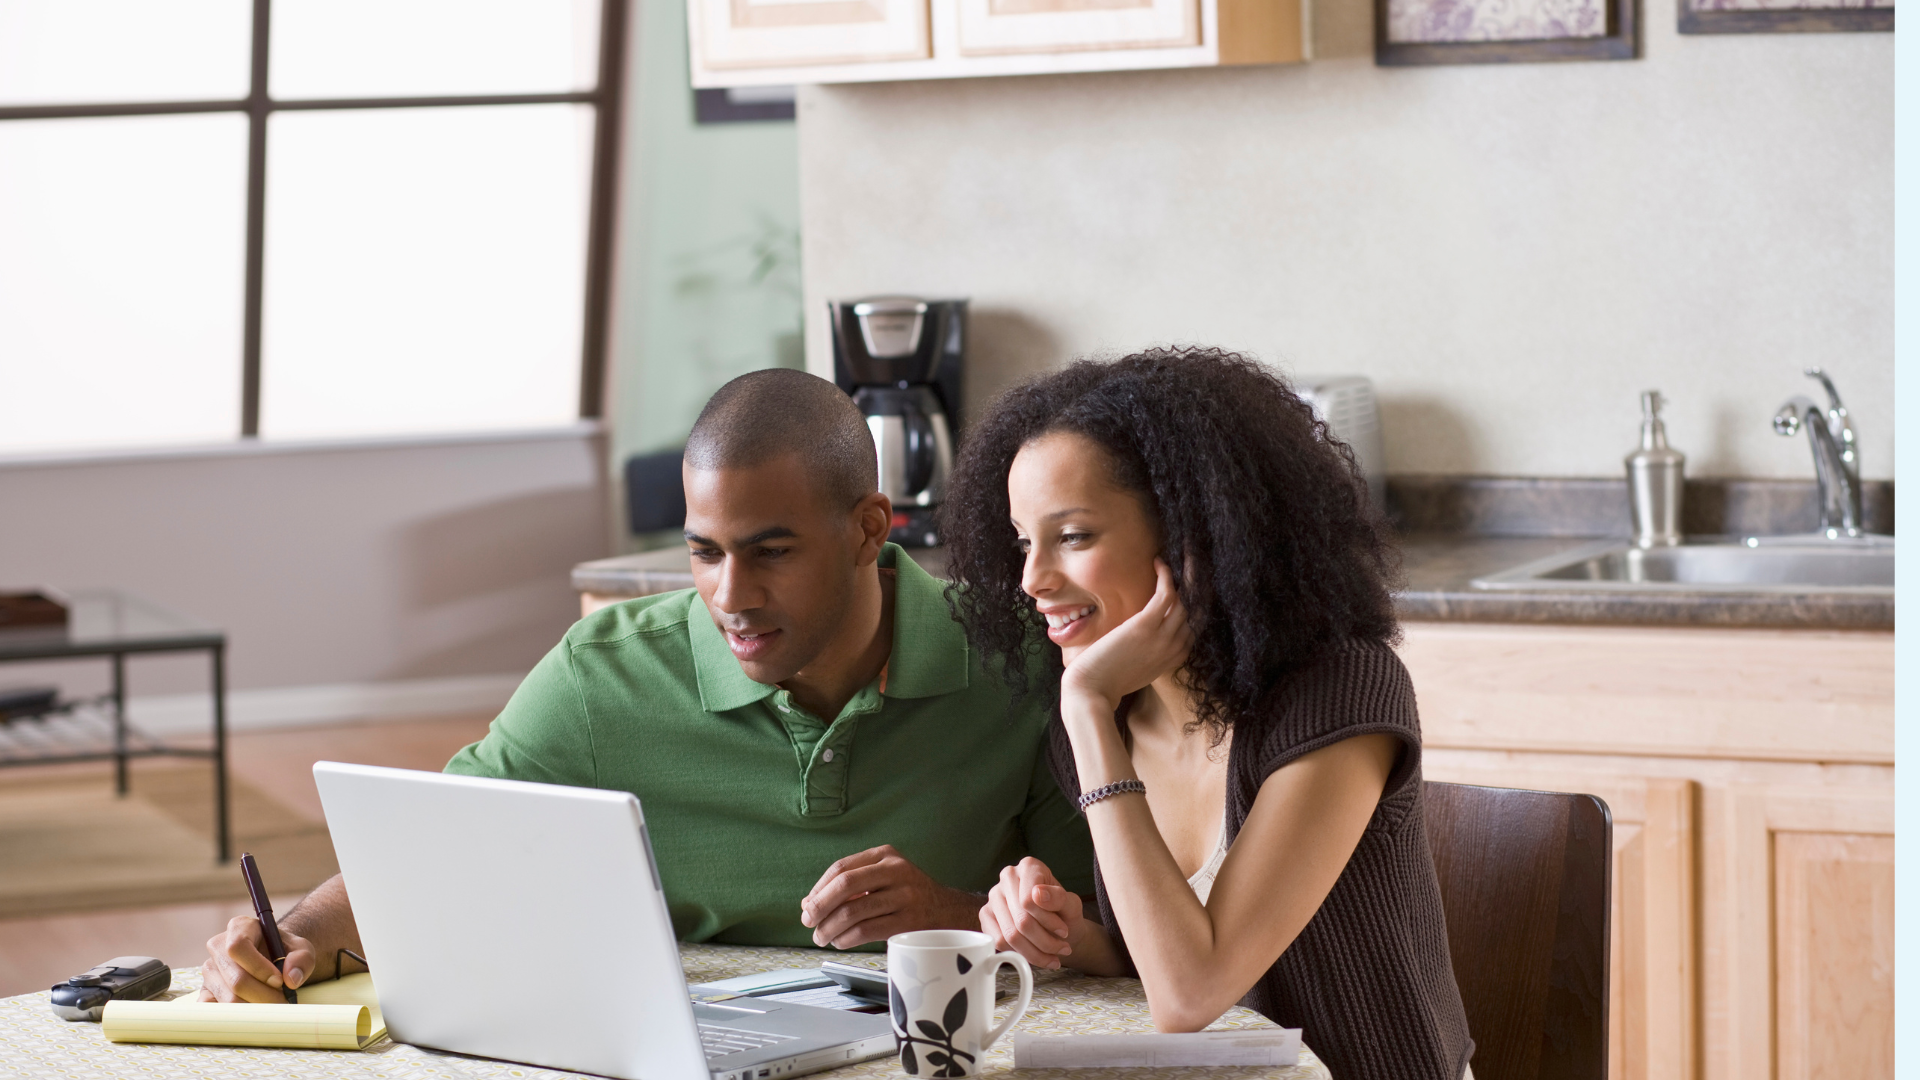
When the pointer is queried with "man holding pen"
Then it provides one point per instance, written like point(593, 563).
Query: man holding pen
point(822, 759)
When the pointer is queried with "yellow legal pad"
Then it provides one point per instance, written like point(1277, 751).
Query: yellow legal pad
point(339, 1015)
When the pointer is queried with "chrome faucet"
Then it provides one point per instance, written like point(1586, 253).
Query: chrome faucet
point(1836, 458)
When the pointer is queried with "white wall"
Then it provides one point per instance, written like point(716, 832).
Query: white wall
point(412, 576)
point(1511, 252)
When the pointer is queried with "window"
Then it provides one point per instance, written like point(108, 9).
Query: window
point(302, 218)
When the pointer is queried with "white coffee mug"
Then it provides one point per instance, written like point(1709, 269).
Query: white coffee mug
point(941, 992)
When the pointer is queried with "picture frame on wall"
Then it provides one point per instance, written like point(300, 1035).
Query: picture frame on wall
point(1785, 16)
point(737, 104)
point(1416, 32)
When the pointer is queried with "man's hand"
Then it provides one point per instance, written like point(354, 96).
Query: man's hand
point(877, 893)
point(1032, 914)
point(237, 968)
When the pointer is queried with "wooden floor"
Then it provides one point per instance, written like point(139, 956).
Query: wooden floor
point(39, 951)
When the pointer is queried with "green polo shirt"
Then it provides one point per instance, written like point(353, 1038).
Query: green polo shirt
point(748, 797)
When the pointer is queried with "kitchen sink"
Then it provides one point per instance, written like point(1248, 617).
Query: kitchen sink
point(1787, 564)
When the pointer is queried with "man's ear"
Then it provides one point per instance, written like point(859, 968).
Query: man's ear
point(873, 517)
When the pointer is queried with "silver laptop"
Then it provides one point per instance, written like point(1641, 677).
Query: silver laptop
point(526, 922)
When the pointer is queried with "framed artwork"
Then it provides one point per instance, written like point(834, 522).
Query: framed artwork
point(1784, 16)
point(1410, 32)
point(742, 103)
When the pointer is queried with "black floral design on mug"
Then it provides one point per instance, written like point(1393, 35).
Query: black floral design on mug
point(943, 1055)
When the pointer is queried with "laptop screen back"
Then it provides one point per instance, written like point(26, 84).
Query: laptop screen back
point(513, 920)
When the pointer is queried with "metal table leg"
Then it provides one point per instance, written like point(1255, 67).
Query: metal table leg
point(120, 723)
point(221, 826)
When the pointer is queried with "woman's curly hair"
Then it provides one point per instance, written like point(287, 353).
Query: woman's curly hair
point(1263, 518)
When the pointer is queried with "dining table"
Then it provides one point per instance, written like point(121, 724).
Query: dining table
point(35, 1044)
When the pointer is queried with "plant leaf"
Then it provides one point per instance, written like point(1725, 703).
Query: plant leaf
point(935, 1057)
point(899, 1007)
point(931, 1030)
point(907, 1060)
point(956, 1014)
point(966, 965)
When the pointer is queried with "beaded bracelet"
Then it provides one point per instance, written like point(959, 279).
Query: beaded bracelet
point(1108, 791)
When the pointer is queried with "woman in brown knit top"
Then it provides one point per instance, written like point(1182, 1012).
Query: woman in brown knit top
point(1241, 736)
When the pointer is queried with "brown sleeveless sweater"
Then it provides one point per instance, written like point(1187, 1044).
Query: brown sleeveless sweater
point(1369, 979)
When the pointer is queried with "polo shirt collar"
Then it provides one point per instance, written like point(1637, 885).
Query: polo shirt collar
point(929, 648)
point(723, 683)
point(929, 655)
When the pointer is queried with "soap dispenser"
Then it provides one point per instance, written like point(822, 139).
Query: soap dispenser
point(1655, 479)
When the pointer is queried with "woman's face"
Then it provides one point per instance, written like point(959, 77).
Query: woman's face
point(1089, 545)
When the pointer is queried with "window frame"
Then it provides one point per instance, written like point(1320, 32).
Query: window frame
point(258, 105)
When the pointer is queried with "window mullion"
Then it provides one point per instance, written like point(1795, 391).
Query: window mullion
point(258, 106)
point(600, 208)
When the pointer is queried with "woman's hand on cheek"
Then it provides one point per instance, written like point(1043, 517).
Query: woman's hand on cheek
point(1153, 642)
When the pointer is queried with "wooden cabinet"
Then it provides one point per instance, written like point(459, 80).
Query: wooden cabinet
point(1751, 782)
point(1833, 947)
point(1003, 27)
point(1799, 930)
point(728, 35)
point(770, 42)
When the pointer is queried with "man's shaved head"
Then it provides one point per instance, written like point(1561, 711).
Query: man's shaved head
point(767, 414)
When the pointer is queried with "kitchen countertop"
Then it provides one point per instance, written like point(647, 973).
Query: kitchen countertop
point(1437, 569)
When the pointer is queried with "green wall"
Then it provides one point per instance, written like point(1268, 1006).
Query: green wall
point(708, 257)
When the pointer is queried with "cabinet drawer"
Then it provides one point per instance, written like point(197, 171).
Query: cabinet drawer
point(1766, 695)
point(1000, 27)
point(736, 34)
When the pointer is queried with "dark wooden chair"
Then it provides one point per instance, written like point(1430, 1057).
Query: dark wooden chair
point(655, 498)
point(1526, 880)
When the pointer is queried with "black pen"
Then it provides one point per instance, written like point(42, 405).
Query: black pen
point(276, 949)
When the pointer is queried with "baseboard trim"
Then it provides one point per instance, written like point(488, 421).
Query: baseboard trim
point(294, 706)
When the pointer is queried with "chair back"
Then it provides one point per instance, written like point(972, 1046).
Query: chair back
point(1526, 881)
point(655, 498)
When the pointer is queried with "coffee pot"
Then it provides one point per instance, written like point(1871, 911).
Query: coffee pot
point(900, 357)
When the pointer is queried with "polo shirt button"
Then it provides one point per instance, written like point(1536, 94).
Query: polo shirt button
point(781, 707)
point(827, 754)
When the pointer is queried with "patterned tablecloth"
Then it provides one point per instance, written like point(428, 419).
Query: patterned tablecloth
point(35, 1044)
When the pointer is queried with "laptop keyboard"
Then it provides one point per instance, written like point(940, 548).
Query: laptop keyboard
point(720, 1041)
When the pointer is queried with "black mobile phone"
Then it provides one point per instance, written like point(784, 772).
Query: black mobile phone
point(861, 982)
point(129, 978)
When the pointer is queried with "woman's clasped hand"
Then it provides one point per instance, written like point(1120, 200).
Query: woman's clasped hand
point(1030, 912)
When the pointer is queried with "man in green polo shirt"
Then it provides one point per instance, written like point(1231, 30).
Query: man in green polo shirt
point(821, 757)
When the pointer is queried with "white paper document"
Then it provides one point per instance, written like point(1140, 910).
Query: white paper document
point(1252, 1046)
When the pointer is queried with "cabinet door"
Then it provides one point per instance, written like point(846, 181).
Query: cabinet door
point(998, 27)
point(1651, 1016)
point(1833, 955)
point(737, 34)
point(1799, 932)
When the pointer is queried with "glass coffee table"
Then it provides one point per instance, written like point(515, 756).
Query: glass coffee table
point(115, 624)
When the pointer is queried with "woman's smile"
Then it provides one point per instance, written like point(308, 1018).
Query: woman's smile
point(1066, 624)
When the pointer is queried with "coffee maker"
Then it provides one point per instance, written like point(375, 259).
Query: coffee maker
point(900, 358)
